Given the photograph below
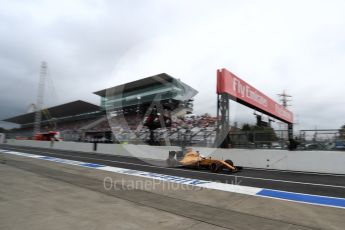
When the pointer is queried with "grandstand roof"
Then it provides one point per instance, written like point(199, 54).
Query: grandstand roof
point(59, 111)
point(159, 79)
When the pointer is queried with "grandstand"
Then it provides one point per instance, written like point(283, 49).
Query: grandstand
point(142, 110)
point(143, 103)
point(69, 119)
point(167, 91)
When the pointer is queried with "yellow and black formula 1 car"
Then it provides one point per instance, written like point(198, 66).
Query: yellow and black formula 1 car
point(193, 159)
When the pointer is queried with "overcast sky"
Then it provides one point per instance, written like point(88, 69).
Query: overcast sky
point(89, 45)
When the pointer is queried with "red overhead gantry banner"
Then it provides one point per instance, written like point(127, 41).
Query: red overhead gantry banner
point(246, 94)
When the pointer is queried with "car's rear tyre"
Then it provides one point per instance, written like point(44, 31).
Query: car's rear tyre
point(229, 162)
point(232, 164)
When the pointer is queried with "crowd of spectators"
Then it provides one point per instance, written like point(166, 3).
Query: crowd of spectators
point(191, 128)
point(74, 126)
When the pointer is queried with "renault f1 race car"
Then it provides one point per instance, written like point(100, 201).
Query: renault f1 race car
point(193, 159)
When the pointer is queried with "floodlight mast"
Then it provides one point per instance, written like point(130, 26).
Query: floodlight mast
point(285, 98)
point(40, 97)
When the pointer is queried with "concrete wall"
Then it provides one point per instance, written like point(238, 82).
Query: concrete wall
point(309, 161)
point(139, 151)
point(64, 145)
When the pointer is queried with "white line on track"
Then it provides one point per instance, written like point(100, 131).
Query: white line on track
point(299, 172)
point(151, 159)
point(186, 170)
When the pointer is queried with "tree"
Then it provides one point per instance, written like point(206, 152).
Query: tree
point(342, 132)
point(246, 127)
point(2, 130)
point(264, 135)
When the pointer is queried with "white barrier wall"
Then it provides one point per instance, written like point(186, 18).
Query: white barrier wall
point(139, 151)
point(309, 161)
point(75, 146)
point(63, 145)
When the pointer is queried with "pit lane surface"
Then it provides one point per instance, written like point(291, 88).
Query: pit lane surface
point(301, 182)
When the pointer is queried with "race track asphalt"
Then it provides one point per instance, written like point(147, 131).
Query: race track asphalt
point(301, 182)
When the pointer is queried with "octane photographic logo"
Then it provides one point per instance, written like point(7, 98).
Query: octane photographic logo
point(142, 126)
point(116, 184)
point(112, 184)
point(148, 129)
